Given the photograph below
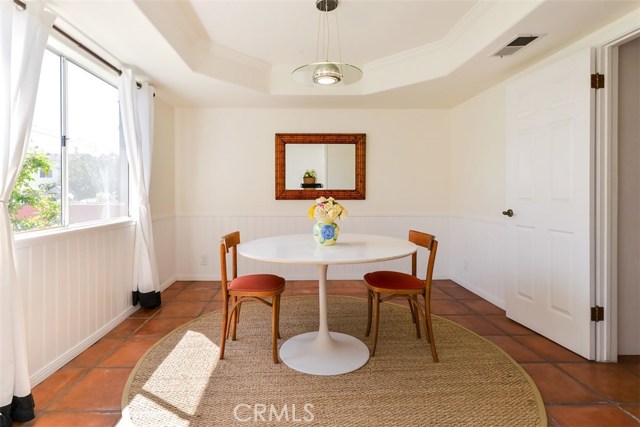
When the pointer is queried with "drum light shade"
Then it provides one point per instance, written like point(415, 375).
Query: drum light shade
point(326, 74)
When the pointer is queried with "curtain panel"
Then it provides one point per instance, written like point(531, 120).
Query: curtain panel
point(23, 38)
point(136, 110)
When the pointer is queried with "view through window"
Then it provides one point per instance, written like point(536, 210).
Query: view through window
point(76, 166)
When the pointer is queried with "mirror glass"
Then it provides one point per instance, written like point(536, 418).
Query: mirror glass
point(333, 164)
point(337, 161)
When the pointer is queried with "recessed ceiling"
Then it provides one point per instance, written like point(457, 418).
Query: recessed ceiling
point(414, 53)
point(368, 31)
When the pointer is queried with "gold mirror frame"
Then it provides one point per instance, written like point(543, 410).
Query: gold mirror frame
point(358, 139)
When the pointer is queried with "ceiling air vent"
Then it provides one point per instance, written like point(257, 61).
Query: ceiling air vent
point(516, 44)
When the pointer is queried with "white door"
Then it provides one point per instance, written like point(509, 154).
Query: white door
point(550, 158)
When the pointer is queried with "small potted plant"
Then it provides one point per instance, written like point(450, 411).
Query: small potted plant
point(309, 176)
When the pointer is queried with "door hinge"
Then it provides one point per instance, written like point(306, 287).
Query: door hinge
point(597, 314)
point(597, 81)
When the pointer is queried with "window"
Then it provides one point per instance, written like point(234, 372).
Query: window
point(76, 166)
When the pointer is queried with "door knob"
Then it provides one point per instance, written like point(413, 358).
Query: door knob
point(508, 213)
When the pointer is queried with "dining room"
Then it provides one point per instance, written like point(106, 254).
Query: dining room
point(435, 157)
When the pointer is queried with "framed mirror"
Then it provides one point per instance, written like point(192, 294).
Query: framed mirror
point(335, 161)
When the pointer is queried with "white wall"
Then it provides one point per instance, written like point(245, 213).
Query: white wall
point(225, 158)
point(162, 194)
point(478, 155)
point(225, 169)
point(477, 173)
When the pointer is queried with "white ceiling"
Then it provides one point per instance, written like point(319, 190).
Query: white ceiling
point(240, 53)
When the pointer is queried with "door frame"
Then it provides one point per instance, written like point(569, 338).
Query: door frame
point(537, 297)
point(606, 198)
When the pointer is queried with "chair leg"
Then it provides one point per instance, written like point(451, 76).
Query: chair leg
point(223, 336)
point(274, 327)
point(369, 301)
point(234, 316)
point(429, 332)
point(413, 313)
point(376, 319)
point(413, 305)
point(278, 316)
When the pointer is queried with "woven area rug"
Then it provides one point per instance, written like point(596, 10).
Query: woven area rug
point(182, 382)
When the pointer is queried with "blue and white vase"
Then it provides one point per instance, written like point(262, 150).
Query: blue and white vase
point(326, 233)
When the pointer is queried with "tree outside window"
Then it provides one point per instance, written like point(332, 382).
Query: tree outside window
point(32, 205)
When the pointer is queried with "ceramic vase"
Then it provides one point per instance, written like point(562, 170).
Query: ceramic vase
point(326, 233)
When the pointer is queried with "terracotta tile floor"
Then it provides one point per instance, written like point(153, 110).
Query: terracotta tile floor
point(87, 391)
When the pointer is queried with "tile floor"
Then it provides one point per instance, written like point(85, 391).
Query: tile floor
point(87, 391)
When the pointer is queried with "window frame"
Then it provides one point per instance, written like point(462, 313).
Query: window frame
point(67, 54)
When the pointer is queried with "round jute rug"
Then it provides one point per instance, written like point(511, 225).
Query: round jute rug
point(181, 381)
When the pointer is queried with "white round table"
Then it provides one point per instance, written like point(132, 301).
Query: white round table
point(324, 352)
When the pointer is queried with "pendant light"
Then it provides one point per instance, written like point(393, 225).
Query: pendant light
point(324, 72)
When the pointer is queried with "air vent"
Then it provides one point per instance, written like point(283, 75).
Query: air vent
point(516, 44)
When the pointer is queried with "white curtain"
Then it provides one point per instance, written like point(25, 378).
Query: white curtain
point(136, 110)
point(23, 37)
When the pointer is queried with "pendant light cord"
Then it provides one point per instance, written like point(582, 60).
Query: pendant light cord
point(338, 38)
point(323, 43)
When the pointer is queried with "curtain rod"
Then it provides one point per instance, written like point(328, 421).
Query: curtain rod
point(81, 46)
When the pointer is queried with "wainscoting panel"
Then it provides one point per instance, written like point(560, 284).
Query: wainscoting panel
point(76, 286)
point(197, 241)
point(476, 257)
point(164, 237)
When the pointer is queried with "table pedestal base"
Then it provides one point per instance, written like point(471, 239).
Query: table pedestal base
point(318, 354)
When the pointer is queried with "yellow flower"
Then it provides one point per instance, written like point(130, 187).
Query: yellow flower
point(326, 210)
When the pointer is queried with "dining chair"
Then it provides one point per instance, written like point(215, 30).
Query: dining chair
point(259, 287)
point(395, 284)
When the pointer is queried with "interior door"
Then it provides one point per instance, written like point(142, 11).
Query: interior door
point(550, 158)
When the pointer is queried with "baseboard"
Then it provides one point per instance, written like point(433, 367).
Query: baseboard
point(300, 276)
point(164, 285)
point(70, 354)
point(195, 277)
point(491, 298)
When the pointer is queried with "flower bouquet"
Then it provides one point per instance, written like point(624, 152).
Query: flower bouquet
point(325, 212)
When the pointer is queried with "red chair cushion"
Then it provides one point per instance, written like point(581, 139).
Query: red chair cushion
point(257, 283)
point(393, 280)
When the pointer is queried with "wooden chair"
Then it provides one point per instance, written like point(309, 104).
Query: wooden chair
point(395, 284)
point(253, 286)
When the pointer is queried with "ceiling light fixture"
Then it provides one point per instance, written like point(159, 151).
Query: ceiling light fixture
point(324, 72)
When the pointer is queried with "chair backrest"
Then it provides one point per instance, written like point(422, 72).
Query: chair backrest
point(229, 243)
point(430, 243)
